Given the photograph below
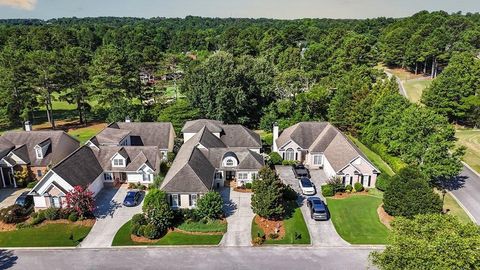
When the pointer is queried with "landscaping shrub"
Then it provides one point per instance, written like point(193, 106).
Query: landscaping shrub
point(267, 139)
point(154, 199)
point(52, 213)
point(34, 215)
point(328, 190)
point(409, 194)
point(248, 185)
point(40, 217)
point(134, 229)
point(13, 214)
point(164, 168)
point(64, 213)
point(132, 185)
point(73, 217)
point(382, 182)
point(258, 241)
point(161, 216)
point(157, 181)
point(210, 205)
point(170, 157)
point(189, 215)
point(289, 194)
point(348, 188)
point(22, 225)
point(358, 187)
point(289, 162)
point(275, 158)
point(142, 187)
point(81, 201)
point(151, 232)
point(394, 162)
point(139, 219)
point(32, 184)
point(337, 185)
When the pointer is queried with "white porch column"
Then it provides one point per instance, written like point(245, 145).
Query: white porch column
point(13, 176)
point(3, 178)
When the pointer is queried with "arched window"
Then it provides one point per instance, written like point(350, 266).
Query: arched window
point(289, 154)
point(229, 162)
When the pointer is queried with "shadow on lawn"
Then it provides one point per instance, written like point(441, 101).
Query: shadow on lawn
point(7, 259)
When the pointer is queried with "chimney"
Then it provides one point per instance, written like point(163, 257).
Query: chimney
point(127, 119)
point(28, 126)
point(275, 137)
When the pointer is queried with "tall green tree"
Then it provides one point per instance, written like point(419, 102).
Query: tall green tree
point(267, 198)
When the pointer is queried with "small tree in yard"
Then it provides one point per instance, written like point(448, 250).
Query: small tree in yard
point(267, 199)
point(157, 212)
point(432, 241)
point(210, 205)
point(81, 201)
point(409, 194)
point(155, 198)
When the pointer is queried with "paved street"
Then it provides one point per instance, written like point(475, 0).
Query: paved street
point(111, 215)
point(277, 258)
point(322, 233)
point(239, 218)
point(467, 192)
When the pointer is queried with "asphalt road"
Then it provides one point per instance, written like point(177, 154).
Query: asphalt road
point(277, 258)
point(468, 192)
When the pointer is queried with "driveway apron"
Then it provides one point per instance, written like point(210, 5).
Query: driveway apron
point(110, 215)
point(239, 217)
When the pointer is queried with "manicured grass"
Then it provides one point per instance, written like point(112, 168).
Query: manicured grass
point(356, 220)
point(415, 88)
point(50, 235)
point(470, 138)
point(210, 226)
point(122, 238)
point(454, 208)
point(85, 133)
point(373, 157)
point(293, 224)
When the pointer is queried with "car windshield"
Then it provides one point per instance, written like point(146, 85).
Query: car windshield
point(130, 194)
point(20, 201)
point(306, 182)
point(320, 211)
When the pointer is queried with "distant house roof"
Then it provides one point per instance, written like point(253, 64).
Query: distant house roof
point(195, 126)
point(111, 136)
point(60, 145)
point(322, 137)
point(136, 156)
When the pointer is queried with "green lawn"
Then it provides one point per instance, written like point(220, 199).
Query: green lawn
point(373, 157)
point(51, 235)
point(293, 224)
point(211, 226)
point(85, 133)
point(415, 88)
point(122, 238)
point(454, 208)
point(470, 138)
point(356, 220)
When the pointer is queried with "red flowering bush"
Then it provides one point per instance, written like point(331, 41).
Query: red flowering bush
point(81, 201)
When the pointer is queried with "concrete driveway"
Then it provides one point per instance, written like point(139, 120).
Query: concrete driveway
point(239, 217)
point(322, 233)
point(110, 215)
point(9, 195)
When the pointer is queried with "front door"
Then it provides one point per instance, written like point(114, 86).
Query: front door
point(229, 175)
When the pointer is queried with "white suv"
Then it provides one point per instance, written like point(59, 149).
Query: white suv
point(307, 187)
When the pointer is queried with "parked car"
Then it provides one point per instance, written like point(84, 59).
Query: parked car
point(307, 187)
point(318, 209)
point(300, 171)
point(132, 198)
point(25, 201)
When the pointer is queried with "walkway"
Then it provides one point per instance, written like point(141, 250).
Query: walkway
point(9, 195)
point(111, 215)
point(239, 217)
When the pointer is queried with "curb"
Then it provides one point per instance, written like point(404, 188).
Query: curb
point(470, 168)
point(463, 207)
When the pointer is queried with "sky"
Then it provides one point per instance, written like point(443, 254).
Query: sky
point(283, 9)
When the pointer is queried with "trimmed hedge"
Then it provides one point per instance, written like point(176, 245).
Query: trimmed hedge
point(328, 190)
point(348, 187)
point(394, 162)
point(382, 182)
point(358, 186)
point(275, 158)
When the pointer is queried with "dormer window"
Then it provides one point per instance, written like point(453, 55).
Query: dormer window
point(118, 162)
point(39, 153)
point(229, 162)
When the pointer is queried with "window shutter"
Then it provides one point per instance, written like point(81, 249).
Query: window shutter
point(369, 180)
point(170, 199)
point(296, 155)
point(283, 155)
point(179, 199)
point(190, 199)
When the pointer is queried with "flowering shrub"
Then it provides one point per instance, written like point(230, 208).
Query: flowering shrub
point(81, 201)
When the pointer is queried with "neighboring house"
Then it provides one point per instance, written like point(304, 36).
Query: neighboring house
point(320, 145)
point(212, 153)
point(122, 152)
point(35, 151)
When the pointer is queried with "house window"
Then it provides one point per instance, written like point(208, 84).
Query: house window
point(254, 176)
point(242, 176)
point(317, 159)
point(118, 162)
point(193, 199)
point(175, 200)
point(39, 173)
point(107, 176)
point(218, 175)
point(56, 202)
point(39, 153)
point(146, 177)
point(289, 154)
point(229, 162)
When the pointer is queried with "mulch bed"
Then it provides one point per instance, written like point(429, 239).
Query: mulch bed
point(270, 227)
point(242, 190)
point(4, 227)
point(345, 195)
point(385, 218)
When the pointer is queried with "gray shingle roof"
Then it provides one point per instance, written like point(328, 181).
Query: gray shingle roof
point(240, 136)
point(136, 156)
point(208, 140)
point(61, 144)
point(303, 133)
point(111, 136)
point(80, 168)
point(195, 126)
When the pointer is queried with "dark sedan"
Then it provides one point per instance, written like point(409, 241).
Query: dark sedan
point(300, 171)
point(25, 201)
point(318, 209)
point(132, 198)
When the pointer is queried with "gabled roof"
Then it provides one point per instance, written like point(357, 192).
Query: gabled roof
point(208, 140)
point(81, 168)
point(136, 156)
point(195, 126)
point(303, 134)
point(240, 136)
point(111, 136)
point(61, 145)
point(146, 133)
point(22, 153)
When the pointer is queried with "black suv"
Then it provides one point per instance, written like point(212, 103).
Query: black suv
point(300, 171)
point(25, 201)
